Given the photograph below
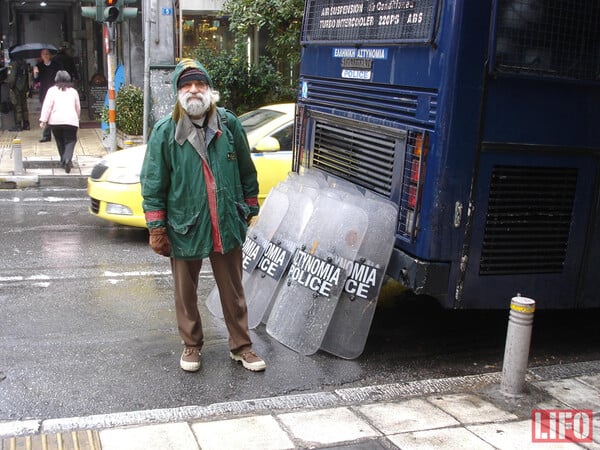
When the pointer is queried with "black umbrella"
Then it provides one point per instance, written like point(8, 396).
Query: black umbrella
point(32, 50)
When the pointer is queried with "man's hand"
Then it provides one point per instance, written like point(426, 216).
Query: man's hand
point(159, 241)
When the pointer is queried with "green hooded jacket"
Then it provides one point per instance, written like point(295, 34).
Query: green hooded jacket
point(203, 194)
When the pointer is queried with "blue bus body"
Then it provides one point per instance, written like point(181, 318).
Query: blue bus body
point(481, 120)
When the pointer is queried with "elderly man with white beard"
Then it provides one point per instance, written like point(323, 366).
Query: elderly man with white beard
point(200, 191)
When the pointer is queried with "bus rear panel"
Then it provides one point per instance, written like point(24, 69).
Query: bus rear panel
point(480, 119)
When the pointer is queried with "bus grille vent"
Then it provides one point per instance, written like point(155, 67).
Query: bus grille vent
point(361, 156)
point(528, 220)
point(409, 106)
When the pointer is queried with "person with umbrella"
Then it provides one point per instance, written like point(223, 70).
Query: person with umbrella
point(18, 83)
point(30, 50)
point(44, 72)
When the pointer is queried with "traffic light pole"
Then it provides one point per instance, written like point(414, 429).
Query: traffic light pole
point(108, 12)
point(111, 63)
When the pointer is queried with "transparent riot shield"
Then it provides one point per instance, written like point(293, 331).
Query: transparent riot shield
point(349, 327)
point(344, 185)
point(310, 180)
point(316, 175)
point(308, 296)
point(272, 212)
point(261, 285)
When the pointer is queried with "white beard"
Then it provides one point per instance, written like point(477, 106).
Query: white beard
point(196, 105)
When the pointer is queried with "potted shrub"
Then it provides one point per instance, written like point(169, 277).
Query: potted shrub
point(129, 106)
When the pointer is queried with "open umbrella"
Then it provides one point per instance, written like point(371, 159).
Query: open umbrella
point(32, 50)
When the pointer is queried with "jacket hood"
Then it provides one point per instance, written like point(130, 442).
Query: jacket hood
point(188, 63)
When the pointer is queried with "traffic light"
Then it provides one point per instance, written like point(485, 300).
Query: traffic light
point(110, 11)
point(126, 11)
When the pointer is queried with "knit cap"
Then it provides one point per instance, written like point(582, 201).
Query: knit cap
point(190, 75)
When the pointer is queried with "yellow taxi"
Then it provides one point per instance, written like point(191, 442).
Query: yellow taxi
point(114, 184)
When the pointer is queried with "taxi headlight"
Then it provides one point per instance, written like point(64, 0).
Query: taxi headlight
point(122, 176)
point(121, 210)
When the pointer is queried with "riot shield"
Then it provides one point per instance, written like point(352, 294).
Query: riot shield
point(349, 327)
point(272, 212)
point(316, 175)
point(310, 180)
point(344, 185)
point(308, 296)
point(262, 284)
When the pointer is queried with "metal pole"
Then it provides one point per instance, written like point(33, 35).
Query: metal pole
point(147, 25)
point(17, 156)
point(516, 350)
point(111, 61)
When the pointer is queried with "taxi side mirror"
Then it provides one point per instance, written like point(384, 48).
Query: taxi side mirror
point(267, 144)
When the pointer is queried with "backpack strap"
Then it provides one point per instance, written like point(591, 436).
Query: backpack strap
point(223, 115)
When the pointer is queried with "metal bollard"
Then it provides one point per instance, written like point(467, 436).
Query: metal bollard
point(516, 349)
point(17, 157)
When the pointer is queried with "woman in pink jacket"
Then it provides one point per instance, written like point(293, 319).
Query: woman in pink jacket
point(61, 111)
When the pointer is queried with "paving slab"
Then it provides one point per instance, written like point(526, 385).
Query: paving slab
point(573, 392)
point(248, 433)
point(469, 408)
point(515, 436)
point(171, 436)
point(410, 415)
point(440, 439)
point(592, 380)
point(327, 426)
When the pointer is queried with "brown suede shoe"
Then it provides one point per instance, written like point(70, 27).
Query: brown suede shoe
point(250, 360)
point(190, 359)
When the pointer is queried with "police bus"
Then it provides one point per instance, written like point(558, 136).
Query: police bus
point(480, 119)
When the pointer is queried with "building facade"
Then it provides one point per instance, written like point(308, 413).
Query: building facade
point(162, 32)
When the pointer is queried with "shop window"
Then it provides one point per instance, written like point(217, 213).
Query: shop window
point(207, 31)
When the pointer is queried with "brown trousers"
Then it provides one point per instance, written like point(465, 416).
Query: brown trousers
point(227, 270)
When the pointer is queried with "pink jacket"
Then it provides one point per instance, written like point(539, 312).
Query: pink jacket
point(61, 107)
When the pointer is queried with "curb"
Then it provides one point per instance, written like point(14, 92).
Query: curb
point(309, 401)
point(268, 405)
point(71, 181)
point(47, 178)
point(18, 181)
point(32, 181)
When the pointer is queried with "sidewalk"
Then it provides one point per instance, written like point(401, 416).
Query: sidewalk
point(450, 413)
point(41, 162)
